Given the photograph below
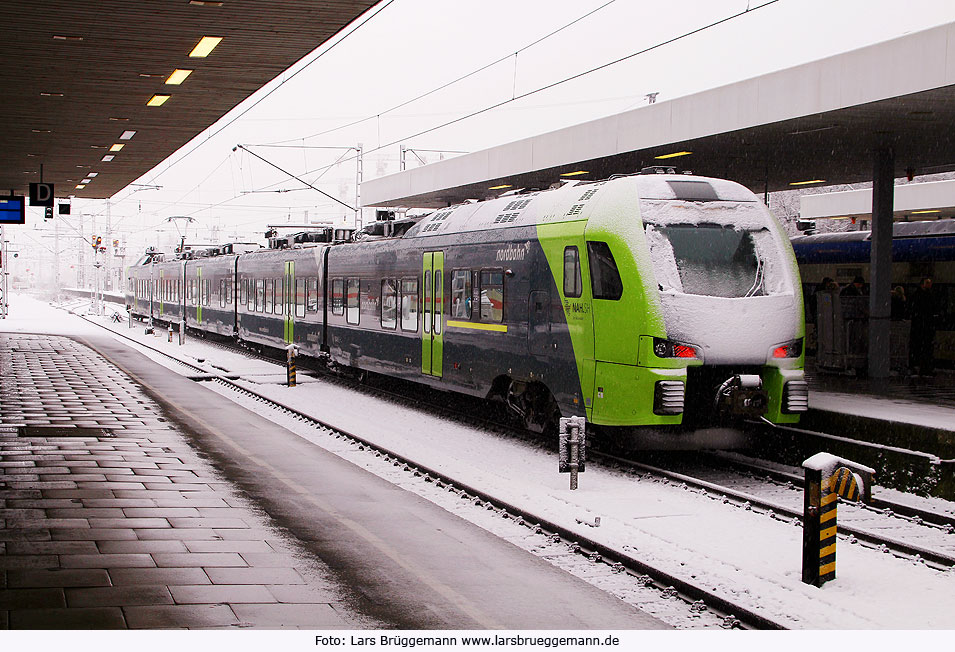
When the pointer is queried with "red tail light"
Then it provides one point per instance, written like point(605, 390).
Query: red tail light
point(791, 350)
point(684, 351)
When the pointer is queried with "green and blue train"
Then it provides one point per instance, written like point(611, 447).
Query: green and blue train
point(650, 303)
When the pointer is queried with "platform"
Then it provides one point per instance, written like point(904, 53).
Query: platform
point(917, 412)
point(131, 497)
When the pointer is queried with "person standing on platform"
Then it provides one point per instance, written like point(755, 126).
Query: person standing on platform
point(899, 305)
point(854, 289)
point(922, 311)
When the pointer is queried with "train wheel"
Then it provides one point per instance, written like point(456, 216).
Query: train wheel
point(534, 405)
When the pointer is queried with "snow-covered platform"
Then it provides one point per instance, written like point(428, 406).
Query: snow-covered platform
point(917, 412)
point(133, 497)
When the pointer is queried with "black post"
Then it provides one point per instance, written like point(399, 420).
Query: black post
point(812, 497)
point(880, 263)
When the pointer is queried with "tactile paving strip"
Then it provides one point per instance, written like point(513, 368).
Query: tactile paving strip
point(54, 381)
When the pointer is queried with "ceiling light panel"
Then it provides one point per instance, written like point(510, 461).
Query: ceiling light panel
point(177, 77)
point(157, 100)
point(206, 45)
point(127, 135)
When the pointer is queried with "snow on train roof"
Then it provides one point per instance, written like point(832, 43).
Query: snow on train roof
point(569, 203)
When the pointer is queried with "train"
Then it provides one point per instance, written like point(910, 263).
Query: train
point(650, 302)
point(919, 250)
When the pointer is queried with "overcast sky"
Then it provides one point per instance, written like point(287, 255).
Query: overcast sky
point(415, 46)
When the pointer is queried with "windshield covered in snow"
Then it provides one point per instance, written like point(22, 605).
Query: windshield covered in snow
point(716, 249)
point(710, 259)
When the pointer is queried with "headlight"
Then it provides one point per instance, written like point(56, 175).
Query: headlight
point(667, 349)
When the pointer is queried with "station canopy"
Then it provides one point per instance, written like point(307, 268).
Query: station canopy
point(76, 77)
point(816, 124)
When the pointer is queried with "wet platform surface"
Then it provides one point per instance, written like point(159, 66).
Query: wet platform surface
point(109, 518)
point(131, 497)
point(916, 412)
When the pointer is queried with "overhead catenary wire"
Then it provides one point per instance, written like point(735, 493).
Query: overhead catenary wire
point(351, 208)
point(453, 81)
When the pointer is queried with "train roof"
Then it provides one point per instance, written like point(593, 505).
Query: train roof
point(569, 203)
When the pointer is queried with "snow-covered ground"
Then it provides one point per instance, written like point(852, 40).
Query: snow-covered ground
point(750, 558)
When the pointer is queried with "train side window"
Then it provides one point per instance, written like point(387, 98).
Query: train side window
point(427, 301)
point(280, 295)
point(572, 283)
point(438, 301)
point(461, 294)
point(244, 291)
point(300, 297)
point(604, 277)
point(492, 295)
point(389, 304)
point(338, 296)
point(352, 313)
point(259, 295)
point(409, 304)
point(269, 295)
point(311, 303)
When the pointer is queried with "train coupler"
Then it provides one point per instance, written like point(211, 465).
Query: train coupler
point(742, 395)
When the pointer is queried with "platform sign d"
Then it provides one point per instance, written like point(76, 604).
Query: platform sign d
point(41, 194)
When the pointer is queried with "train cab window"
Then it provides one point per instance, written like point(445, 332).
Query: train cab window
point(311, 297)
point(572, 284)
point(604, 277)
point(259, 295)
point(461, 294)
point(389, 304)
point(492, 295)
point(352, 312)
point(269, 295)
point(300, 297)
point(409, 304)
point(338, 296)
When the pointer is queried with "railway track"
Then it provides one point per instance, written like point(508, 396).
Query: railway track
point(765, 499)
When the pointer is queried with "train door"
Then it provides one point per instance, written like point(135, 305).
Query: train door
point(288, 300)
point(432, 337)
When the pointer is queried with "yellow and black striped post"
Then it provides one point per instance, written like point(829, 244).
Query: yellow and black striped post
point(822, 491)
point(291, 365)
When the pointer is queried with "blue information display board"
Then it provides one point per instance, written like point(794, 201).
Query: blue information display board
point(12, 210)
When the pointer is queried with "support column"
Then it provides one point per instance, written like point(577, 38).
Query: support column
point(880, 263)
